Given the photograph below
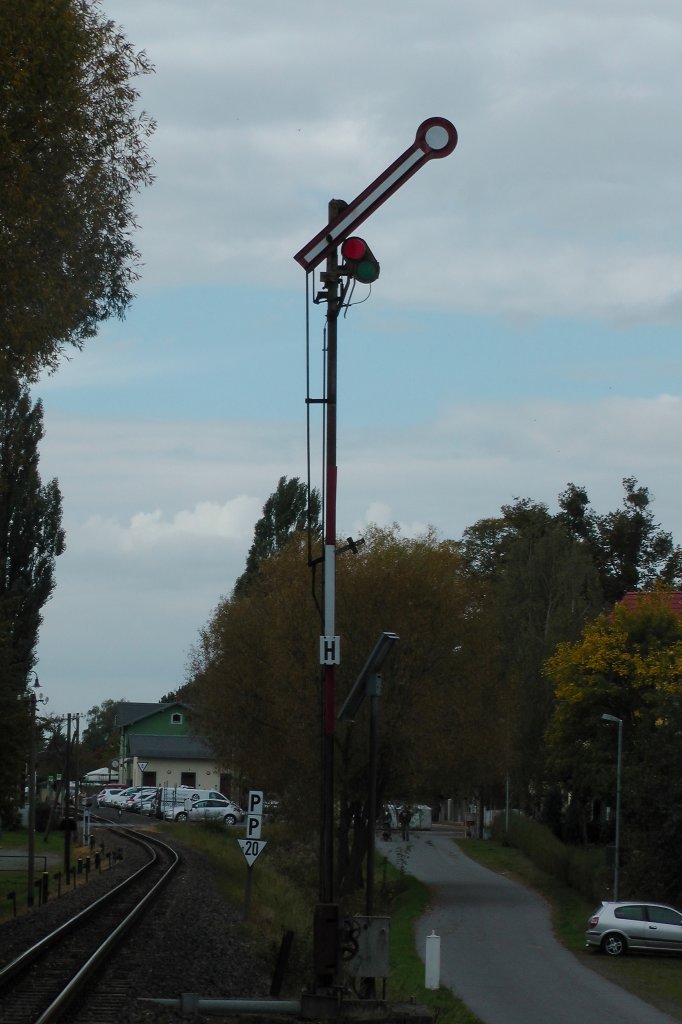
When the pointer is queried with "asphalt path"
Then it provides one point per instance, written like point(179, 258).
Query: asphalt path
point(497, 950)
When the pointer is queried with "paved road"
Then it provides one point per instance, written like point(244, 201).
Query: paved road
point(498, 953)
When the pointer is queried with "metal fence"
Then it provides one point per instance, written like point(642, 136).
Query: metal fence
point(19, 862)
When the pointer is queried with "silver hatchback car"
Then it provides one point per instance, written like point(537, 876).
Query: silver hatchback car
point(204, 810)
point(615, 928)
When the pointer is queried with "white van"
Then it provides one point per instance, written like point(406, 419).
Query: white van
point(181, 798)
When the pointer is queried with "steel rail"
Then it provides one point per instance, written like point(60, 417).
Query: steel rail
point(77, 982)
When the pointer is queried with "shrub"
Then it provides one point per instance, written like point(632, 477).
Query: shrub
point(582, 869)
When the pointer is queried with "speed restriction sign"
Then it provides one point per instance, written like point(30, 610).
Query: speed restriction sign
point(252, 848)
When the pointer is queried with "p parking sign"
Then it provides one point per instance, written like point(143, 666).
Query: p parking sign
point(254, 814)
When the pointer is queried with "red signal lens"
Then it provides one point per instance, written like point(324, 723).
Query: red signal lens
point(354, 248)
point(359, 263)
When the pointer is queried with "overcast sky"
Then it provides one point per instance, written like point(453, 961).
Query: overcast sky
point(524, 332)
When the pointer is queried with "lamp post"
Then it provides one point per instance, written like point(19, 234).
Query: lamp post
point(619, 758)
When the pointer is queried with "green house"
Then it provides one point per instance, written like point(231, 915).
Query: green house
point(158, 748)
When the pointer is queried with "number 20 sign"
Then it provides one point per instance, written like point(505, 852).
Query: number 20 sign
point(251, 848)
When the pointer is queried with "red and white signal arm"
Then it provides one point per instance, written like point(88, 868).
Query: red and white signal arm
point(436, 137)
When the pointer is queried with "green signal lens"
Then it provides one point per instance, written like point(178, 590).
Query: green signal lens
point(367, 271)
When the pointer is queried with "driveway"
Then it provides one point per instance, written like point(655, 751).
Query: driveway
point(498, 952)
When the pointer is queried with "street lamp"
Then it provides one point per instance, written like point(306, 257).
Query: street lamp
point(619, 758)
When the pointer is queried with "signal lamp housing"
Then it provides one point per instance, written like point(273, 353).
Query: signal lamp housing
point(359, 262)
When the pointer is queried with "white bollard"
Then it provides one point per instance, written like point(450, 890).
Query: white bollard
point(432, 978)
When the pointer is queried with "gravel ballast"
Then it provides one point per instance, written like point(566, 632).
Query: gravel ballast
point(193, 943)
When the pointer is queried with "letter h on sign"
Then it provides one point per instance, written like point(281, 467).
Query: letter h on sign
point(330, 650)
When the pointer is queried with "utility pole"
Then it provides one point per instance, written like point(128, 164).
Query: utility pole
point(34, 700)
point(32, 799)
point(67, 793)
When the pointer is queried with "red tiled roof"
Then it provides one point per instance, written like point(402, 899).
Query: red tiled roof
point(673, 598)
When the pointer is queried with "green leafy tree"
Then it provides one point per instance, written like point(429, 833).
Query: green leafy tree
point(31, 534)
point(629, 665)
point(288, 510)
point(31, 539)
point(541, 577)
point(537, 586)
point(175, 696)
point(99, 743)
point(16, 724)
point(73, 153)
point(628, 548)
point(257, 690)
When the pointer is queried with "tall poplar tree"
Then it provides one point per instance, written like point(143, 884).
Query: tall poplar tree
point(288, 510)
point(31, 538)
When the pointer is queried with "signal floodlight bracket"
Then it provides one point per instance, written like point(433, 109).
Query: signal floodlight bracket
point(368, 682)
point(436, 137)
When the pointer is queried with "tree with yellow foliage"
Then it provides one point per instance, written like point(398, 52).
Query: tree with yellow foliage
point(629, 665)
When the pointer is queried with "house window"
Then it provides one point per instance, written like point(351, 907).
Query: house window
point(188, 779)
point(176, 718)
point(149, 778)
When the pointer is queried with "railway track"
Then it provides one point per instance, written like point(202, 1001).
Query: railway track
point(57, 975)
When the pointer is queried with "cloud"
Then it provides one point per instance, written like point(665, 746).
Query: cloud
point(234, 520)
point(379, 513)
point(474, 458)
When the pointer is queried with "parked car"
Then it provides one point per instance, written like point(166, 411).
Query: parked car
point(170, 799)
point(118, 800)
point(104, 794)
point(201, 810)
point(617, 927)
point(133, 802)
point(148, 804)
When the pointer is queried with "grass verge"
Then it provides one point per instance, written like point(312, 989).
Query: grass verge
point(48, 857)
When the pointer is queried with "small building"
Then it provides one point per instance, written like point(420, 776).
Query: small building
point(157, 748)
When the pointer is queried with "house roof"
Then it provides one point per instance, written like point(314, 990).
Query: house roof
point(179, 748)
point(672, 598)
point(128, 712)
